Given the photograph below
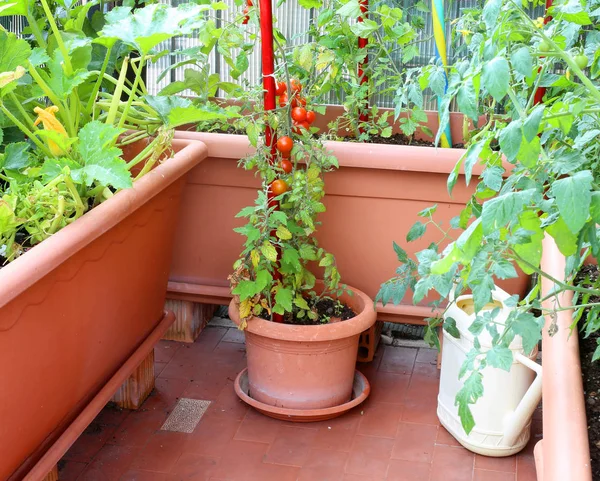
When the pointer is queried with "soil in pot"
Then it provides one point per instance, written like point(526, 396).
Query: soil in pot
point(328, 310)
point(591, 379)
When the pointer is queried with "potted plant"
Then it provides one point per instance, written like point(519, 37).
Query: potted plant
point(374, 181)
point(88, 209)
point(535, 80)
point(294, 325)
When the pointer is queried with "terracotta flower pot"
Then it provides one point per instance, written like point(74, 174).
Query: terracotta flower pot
point(305, 367)
point(76, 306)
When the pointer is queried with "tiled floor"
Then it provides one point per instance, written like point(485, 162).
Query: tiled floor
point(394, 436)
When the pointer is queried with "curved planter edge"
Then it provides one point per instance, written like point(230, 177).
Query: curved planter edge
point(76, 306)
point(563, 454)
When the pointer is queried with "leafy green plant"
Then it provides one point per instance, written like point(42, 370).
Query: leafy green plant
point(272, 275)
point(540, 175)
point(64, 116)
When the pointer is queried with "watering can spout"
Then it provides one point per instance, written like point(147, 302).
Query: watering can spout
point(515, 422)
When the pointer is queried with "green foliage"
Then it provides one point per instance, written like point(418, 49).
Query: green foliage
point(540, 174)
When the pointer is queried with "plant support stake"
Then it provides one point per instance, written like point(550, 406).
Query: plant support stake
point(439, 35)
point(362, 43)
point(268, 70)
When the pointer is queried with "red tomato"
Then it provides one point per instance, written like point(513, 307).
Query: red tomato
point(250, 3)
point(278, 187)
point(281, 88)
point(283, 100)
point(285, 144)
point(298, 101)
point(296, 86)
point(310, 116)
point(299, 114)
point(286, 166)
point(246, 17)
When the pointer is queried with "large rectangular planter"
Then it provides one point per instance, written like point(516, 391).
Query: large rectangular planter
point(74, 308)
point(372, 200)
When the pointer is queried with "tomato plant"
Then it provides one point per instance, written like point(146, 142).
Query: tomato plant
point(310, 116)
point(286, 166)
point(540, 177)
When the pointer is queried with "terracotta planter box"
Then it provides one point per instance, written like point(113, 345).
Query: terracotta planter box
point(372, 200)
point(75, 307)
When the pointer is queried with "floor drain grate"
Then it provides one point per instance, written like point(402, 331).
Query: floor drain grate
point(186, 415)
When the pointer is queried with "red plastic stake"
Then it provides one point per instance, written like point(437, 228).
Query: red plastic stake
point(539, 93)
point(362, 43)
point(269, 86)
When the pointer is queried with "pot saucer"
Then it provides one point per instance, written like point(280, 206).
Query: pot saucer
point(360, 391)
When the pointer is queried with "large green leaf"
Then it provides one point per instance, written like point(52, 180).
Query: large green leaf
point(496, 77)
point(501, 210)
point(62, 84)
point(14, 7)
point(101, 160)
point(147, 27)
point(176, 111)
point(573, 197)
point(531, 251)
point(13, 51)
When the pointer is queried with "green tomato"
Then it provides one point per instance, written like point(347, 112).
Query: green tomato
point(544, 46)
point(581, 61)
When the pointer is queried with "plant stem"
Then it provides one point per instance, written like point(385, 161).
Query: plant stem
point(58, 36)
point(98, 83)
point(26, 131)
point(22, 111)
point(112, 112)
point(143, 154)
point(35, 30)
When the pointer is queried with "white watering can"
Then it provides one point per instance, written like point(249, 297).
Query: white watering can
point(503, 414)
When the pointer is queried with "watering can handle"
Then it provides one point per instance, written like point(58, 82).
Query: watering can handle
point(497, 294)
point(516, 421)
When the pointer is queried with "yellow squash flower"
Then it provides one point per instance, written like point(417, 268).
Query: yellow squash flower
point(8, 77)
point(48, 119)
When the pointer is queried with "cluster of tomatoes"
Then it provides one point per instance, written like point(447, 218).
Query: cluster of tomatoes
point(301, 119)
point(246, 10)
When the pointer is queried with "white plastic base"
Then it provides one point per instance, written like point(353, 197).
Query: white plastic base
point(481, 442)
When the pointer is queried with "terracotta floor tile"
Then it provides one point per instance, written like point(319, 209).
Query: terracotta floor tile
point(402, 470)
point(269, 472)
point(70, 470)
point(195, 466)
point(369, 456)
point(162, 452)
point(356, 477)
point(483, 475)
point(415, 442)
point(239, 459)
point(213, 434)
point(234, 335)
point(291, 446)
point(389, 387)
point(258, 428)
point(380, 419)
point(90, 442)
point(165, 350)
point(398, 359)
point(139, 426)
point(228, 403)
point(210, 338)
point(426, 369)
point(141, 475)
point(427, 355)
point(336, 434)
point(526, 467)
point(324, 465)
point(112, 415)
point(420, 404)
point(110, 463)
point(507, 465)
point(452, 464)
point(159, 367)
point(166, 393)
point(445, 438)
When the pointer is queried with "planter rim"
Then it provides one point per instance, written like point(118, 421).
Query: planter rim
point(36, 263)
point(407, 158)
point(312, 333)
